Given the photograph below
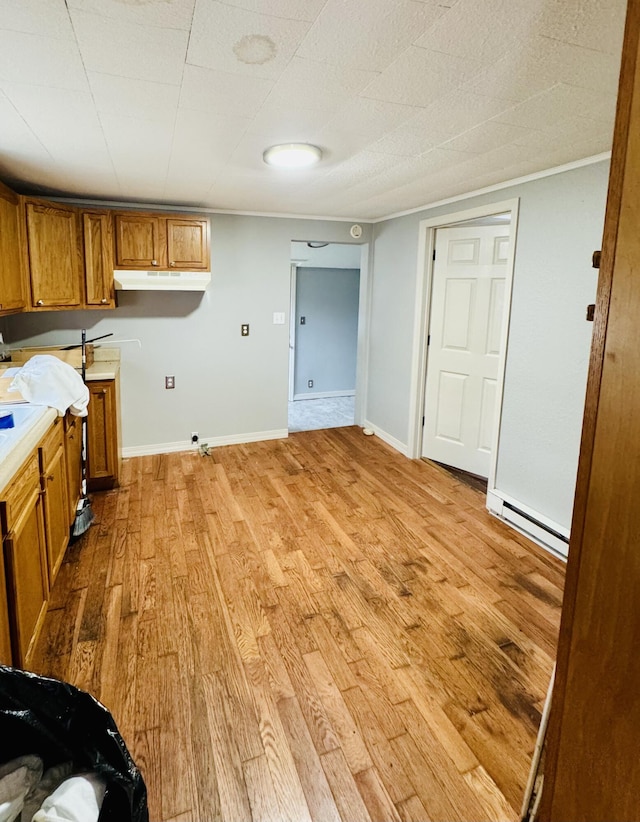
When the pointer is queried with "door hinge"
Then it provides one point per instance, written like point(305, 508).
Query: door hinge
point(428, 339)
point(591, 312)
point(434, 253)
point(595, 259)
point(423, 421)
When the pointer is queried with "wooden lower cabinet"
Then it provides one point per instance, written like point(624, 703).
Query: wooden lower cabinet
point(103, 450)
point(37, 509)
point(25, 557)
point(5, 633)
point(53, 466)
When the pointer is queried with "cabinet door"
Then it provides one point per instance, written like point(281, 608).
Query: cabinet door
point(73, 457)
point(54, 258)
point(188, 243)
point(5, 636)
point(138, 241)
point(25, 559)
point(102, 438)
point(98, 258)
point(56, 507)
point(12, 284)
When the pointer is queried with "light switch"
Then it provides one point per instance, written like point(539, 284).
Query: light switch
point(278, 317)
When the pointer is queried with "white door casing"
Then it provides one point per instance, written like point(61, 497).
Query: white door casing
point(466, 332)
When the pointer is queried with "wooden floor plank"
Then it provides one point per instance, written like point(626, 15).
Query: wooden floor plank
point(310, 629)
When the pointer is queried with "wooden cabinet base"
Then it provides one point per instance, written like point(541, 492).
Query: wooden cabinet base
point(103, 435)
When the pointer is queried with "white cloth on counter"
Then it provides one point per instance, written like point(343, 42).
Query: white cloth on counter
point(17, 779)
point(78, 799)
point(47, 380)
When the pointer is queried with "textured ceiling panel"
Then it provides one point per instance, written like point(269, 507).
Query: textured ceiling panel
point(232, 39)
point(175, 14)
point(411, 101)
point(134, 98)
point(43, 61)
point(130, 50)
point(367, 35)
point(288, 9)
point(419, 77)
point(220, 92)
point(50, 19)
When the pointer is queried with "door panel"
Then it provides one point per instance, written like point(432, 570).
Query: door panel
point(487, 409)
point(467, 306)
point(496, 309)
point(450, 406)
point(458, 305)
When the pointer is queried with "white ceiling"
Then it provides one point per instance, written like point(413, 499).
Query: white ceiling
point(411, 101)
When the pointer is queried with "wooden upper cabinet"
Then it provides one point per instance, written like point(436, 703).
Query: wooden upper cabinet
point(138, 242)
point(155, 241)
point(13, 293)
point(53, 245)
point(188, 244)
point(98, 259)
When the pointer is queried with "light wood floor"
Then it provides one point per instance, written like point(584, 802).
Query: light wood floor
point(312, 628)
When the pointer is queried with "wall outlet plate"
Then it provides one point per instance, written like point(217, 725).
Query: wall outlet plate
point(169, 382)
point(244, 330)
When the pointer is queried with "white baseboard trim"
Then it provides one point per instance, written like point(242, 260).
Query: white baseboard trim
point(390, 440)
point(212, 442)
point(321, 395)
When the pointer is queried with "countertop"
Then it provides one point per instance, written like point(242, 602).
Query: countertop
point(25, 445)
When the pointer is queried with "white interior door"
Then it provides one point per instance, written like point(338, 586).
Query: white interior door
point(465, 330)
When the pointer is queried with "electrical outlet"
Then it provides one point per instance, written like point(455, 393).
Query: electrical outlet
point(194, 437)
point(169, 382)
point(244, 329)
point(309, 383)
point(303, 320)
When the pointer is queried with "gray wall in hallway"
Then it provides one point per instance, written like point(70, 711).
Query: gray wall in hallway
point(326, 345)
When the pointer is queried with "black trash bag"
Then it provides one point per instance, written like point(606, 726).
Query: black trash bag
point(60, 723)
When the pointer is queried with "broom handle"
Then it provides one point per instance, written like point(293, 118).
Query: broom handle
point(84, 419)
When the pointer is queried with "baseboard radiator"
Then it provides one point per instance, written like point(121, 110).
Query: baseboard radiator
point(531, 526)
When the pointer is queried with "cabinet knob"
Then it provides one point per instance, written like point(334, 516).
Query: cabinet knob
point(50, 478)
point(172, 264)
point(104, 301)
point(103, 391)
point(154, 262)
point(40, 302)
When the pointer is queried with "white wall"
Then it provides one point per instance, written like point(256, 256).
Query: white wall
point(560, 224)
point(326, 345)
point(227, 386)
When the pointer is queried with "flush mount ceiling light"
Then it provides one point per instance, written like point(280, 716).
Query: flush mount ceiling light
point(292, 155)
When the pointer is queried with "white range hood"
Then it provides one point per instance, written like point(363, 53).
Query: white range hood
point(161, 280)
